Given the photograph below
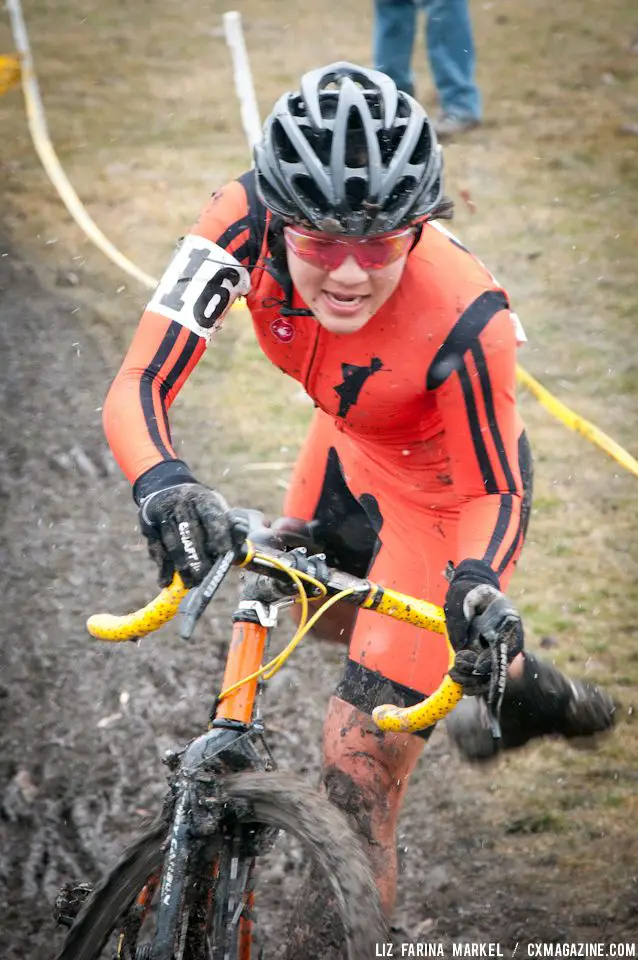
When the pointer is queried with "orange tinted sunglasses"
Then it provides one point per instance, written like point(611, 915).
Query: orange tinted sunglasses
point(327, 252)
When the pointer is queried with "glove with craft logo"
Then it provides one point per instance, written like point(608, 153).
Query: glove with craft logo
point(187, 527)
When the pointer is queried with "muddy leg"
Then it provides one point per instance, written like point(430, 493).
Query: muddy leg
point(366, 774)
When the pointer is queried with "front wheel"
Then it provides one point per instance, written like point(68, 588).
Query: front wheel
point(241, 910)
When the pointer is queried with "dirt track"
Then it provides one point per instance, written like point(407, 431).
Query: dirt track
point(83, 727)
point(72, 784)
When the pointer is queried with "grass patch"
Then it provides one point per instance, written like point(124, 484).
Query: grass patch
point(535, 823)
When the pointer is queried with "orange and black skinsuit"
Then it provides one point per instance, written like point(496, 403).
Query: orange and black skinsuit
point(416, 452)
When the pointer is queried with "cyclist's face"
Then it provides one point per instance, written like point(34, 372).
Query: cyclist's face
point(343, 298)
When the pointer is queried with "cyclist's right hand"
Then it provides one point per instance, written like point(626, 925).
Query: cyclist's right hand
point(187, 526)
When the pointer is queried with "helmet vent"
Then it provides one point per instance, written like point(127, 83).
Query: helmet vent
point(404, 187)
point(306, 187)
point(328, 105)
point(321, 143)
point(285, 148)
point(423, 147)
point(356, 192)
point(374, 105)
point(297, 107)
point(356, 144)
point(391, 142)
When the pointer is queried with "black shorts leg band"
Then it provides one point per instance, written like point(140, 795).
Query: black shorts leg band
point(366, 689)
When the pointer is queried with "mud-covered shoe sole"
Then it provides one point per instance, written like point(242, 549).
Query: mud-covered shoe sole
point(467, 727)
point(590, 714)
point(543, 704)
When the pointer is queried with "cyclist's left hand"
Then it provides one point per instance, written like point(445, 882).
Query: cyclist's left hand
point(473, 589)
point(473, 671)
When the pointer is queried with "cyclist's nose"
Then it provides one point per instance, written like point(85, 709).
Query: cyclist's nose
point(350, 273)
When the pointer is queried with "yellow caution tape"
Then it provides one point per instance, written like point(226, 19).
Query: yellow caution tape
point(577, 423)
point(9, 72)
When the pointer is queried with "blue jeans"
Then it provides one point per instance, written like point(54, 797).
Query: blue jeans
point(450, 46)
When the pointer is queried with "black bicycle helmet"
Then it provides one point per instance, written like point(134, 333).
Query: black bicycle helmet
point(349, 153)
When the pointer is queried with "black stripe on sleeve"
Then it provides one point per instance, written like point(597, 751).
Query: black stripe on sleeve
point(233, 231)
point(150, 374)
point(488, 399)
point(256, 208)
point(254, 221)
point(179, 366)
point(175, 373)
point(500, 529)
point(513, 547)
point(246, 253)
point(489, 479)
point(471, 323)
point(457, 243)
point(526, 469)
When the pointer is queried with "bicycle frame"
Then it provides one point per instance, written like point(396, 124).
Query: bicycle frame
point(196, 811)
point(229, 743)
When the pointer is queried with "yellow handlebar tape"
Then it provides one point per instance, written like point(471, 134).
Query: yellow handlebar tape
point(429, 617)
point(400, 606)
point(421, 715)
point(105, 626)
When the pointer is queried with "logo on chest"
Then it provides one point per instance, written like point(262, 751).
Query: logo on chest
point(282, 330)
point(354, 378)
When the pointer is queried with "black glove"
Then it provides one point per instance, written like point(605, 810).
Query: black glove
point(473, 671)
point(187, 526)
point(473, 588)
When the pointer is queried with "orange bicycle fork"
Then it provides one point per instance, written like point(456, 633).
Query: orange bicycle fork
point(227, 746)
point(245, 657)
point(251, 627)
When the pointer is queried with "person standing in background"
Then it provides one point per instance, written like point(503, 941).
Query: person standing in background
point(450, 46)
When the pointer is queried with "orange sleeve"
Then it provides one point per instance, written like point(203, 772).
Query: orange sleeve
point(474, 376)
point(207, 273)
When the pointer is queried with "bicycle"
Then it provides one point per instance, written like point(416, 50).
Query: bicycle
point(190, 878)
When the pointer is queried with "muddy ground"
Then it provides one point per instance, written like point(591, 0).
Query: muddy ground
point(83, 726)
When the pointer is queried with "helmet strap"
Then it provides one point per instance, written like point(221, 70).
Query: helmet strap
point(417, 237)
point(277, 267)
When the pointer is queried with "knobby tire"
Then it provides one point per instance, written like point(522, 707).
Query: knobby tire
point(274, 799)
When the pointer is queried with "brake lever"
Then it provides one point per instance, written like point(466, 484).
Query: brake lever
point(498, 680)
point(495, 629)
point(194, 604)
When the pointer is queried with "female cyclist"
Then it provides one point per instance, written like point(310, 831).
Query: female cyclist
point(416, 462)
